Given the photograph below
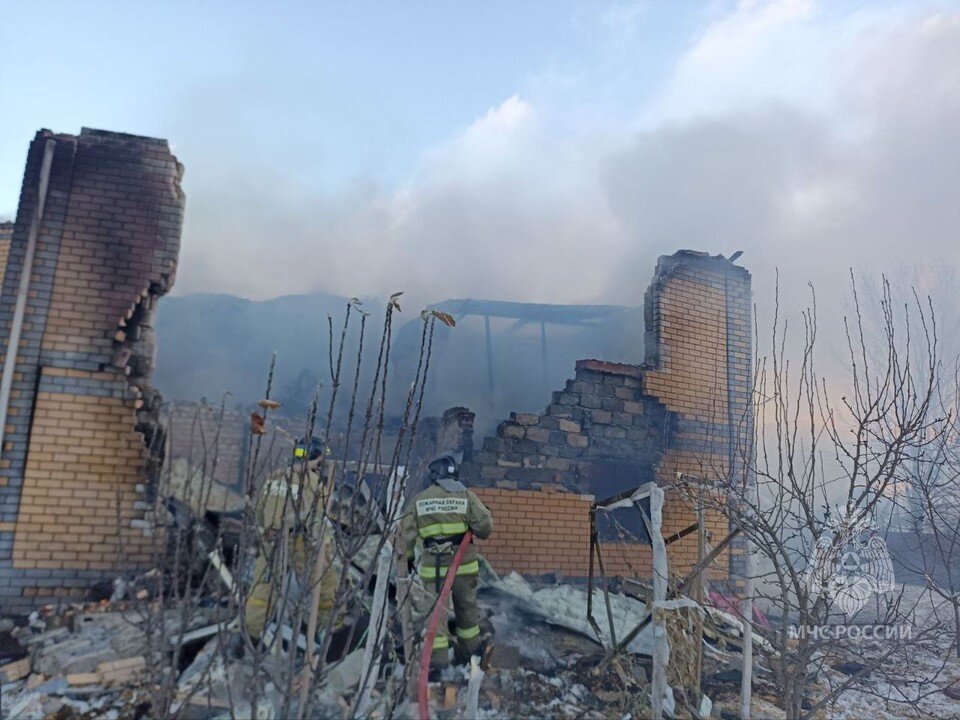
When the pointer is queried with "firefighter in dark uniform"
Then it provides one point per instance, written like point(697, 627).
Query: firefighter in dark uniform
point(438, 517)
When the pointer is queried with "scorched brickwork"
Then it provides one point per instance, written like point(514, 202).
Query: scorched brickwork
point(83, 440)
point(214, 440)
point(613, 427)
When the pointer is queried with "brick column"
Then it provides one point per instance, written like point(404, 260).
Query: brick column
point(614, 426)
point(83, 439)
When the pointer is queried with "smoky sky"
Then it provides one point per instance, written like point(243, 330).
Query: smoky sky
point(854, 161)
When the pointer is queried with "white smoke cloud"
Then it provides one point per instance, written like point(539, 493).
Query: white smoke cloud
point(811, 140)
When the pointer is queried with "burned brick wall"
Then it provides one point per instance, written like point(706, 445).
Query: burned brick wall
point(213, 439)
point(455, 433)
point(218, 442)
point(599, 421)
point(614, 426)
point(449, 434)
point(83, 439)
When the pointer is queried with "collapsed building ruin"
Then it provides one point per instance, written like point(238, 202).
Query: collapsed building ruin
point(613, 427)
point(82, 440)
point(94, 245)
point(686, 411)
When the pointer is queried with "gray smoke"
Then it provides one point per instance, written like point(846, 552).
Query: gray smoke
point(515, 207)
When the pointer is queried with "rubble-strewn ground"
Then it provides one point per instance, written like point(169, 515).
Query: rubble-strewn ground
point(89, 660)
point(900, 687)
point(107, 660)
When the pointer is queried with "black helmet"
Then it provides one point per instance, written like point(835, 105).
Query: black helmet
point(308, 449)
point(443, 467)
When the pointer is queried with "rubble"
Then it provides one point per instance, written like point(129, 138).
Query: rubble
point(556, 650)
point(102, 652)
point(102, 657)
point(546, 658)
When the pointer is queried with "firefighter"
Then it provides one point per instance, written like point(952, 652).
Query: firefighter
point(291, 507)
point(438, 517)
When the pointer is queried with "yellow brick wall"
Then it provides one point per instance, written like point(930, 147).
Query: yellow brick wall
point(6, 233)
point(79, 489)
point(692, 377)
point(537, 531)
point(540, 531)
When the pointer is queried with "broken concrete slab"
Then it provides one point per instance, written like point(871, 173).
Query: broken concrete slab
point(45, 638)
point(53, 687)
point(27, 706)
point(87, 662)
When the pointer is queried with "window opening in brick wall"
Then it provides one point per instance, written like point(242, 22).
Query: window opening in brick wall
point(623, 524)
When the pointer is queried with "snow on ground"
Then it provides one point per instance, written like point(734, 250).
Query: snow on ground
point(909, 684)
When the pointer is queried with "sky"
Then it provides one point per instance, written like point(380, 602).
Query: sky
point(532, 151)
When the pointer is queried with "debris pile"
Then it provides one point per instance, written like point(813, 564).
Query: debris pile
point(89, 657)
point(169, 643)
point(563, 667)
point(111, 659)
point(552, 650)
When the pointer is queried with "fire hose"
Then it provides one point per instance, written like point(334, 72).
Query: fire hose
point(439, 609)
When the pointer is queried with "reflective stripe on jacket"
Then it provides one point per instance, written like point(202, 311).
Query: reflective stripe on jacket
point(429, 572)
point(436, 513)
